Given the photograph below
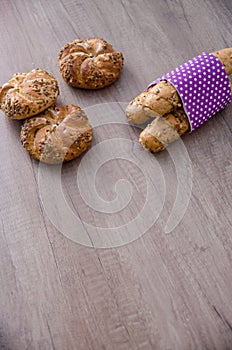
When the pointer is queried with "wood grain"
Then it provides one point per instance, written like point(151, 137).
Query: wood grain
point(161, 291)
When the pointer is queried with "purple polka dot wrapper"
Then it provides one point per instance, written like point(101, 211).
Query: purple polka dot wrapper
point(203, 86)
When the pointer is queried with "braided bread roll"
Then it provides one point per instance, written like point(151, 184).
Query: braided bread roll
point(90, 64)
point(162, 102)
point(60, 133)
point(27, 94)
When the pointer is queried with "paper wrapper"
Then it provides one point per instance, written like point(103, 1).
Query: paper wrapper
point(203, 86)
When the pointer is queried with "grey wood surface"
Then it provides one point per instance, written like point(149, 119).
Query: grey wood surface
point(161, 291)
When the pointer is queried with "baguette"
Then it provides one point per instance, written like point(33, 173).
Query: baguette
point(162, 102)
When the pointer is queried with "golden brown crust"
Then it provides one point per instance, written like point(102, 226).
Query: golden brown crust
point(58, 134)
point(225, 56)
point(90, 64)
point(158, 100)
point(162, 102)
point(27, 94)
point(164, 130)
point(163, 98)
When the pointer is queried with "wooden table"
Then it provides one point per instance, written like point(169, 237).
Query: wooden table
point(161, 291)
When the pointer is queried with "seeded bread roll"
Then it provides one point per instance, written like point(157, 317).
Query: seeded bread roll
point(58, 134)
point(27, 94)
point(90, 64)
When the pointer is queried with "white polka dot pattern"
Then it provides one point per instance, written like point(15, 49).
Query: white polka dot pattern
point(203, 86)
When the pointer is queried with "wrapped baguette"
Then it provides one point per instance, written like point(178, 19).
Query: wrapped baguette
point(163, 103)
